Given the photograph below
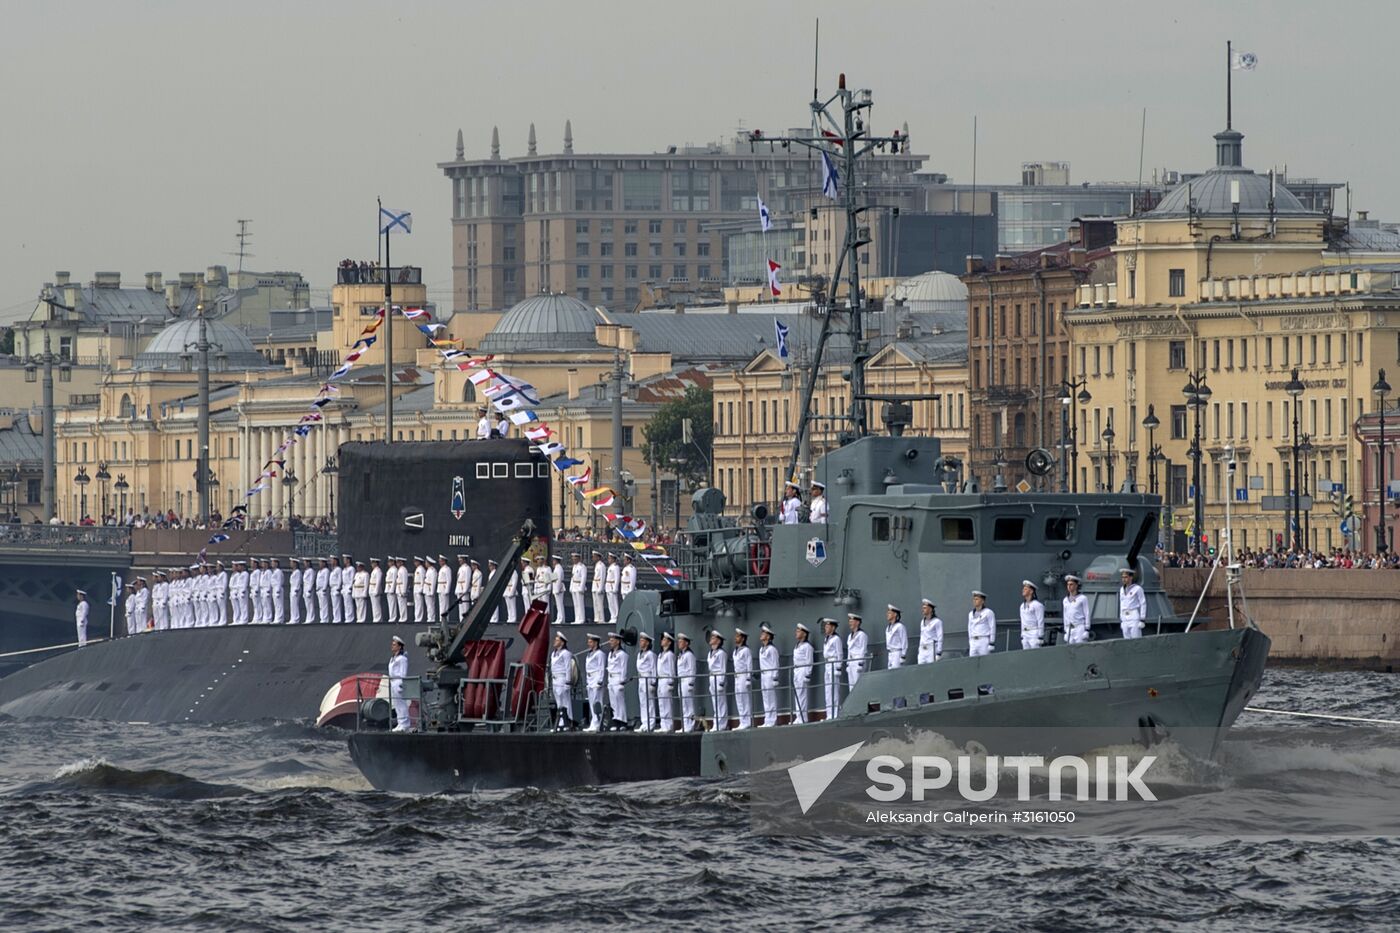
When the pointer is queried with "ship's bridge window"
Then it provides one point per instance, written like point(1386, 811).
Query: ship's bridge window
point(1110, 529)
point(879, 528)
point(1061, 529)
point(1009, 531)
point(957, 529)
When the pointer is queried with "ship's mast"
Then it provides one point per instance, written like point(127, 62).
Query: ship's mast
point(840, 137)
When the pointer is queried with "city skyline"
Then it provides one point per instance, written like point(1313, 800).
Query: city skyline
point(115, 166)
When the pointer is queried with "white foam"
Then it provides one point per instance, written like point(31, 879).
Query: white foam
point(80, 766)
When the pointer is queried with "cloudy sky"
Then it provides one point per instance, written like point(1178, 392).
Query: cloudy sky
point(136, 134)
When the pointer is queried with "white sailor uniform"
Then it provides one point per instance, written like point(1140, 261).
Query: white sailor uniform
point(80, 619)
point(896, 645)
point(717, 665)
point(398, 672)
point(1132, 610)
point(857, 647)
point(833, 652)
point(646, 688)
point(1076, 618)
point(981, 630)
point(1032, 623)
point(617, 684)
point(742, 657)
point(802, 656)
point(665, 689)
point(561, 673)
point(685, 674)
point(596, 666)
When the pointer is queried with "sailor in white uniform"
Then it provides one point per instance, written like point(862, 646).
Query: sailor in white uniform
point(160, 601)
point(665, 684)
point(491, 572)
point(484, 426)
point(430, 576)
point(478, 582)
point(685, 677)
point(513, 588)
point(347, 587)
point(308, 592)
point(981, 626)
point(444, 587)
point(401, 587)
point(557, 573)
point(646, 682)
point(930, 633)
point(128, 607)
point(221, 594)
point(323, 592)
point(462, 587)
point(1132, 605)
point(628, 576)
point(790, 511)
point(80, 617)
point(143, 605)
point(802, 657)
point(613, 587)
point(768, 663)
point(359, 591)
point(562, 674)
point(896, 637)
point(817, 514)
point(1075, 612)
point(595, 670)
point(264, 592)
point(333, 582)
point(420, 615)
point(398, 673)
point(1032, 617)
point(617, 681)
point(717, 668)
point(600, 576)
point(294, 592)
point(376, 591)
point(742, 658)
point(857, 650)
point(834, 654)
point(391, 582)
point(578, 585)
point(275, 589)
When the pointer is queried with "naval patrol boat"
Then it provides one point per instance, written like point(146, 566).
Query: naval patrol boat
point(903, 525)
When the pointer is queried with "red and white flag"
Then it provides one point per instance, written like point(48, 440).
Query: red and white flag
point(773, 287)
point(583, 479)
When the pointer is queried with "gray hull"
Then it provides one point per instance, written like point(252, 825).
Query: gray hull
point(1187, 688)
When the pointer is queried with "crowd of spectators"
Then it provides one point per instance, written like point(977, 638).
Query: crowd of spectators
point(1292, 559)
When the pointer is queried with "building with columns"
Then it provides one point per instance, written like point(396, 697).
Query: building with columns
point(1232, 281)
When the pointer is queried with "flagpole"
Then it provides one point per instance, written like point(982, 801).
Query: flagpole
point(1229, 67)
point(388, 340)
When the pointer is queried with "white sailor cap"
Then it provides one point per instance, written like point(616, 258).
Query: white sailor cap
point(1129, 571)
point(442, 557)
point(818, 485)
point(82, 592)
point(979, 593)
point(562, 637)
point(322, 559)
point(1070, 576)
point(764, 628)
point(1030, 584)
point(429, 560)
point(290, 560)
point(557, 559)
point(827, 620)
point(417, 558)
point(680, 635)
point(347, 556)
point(597, 553)
point(615, 635)
point(926, 602)
point(739, 631)
point(716, 634)
point(491, 561)
point(359, 563)
point(666, 635)
point(802, 626)
point(374, 560)
point(646, 635)
point(593, 636)
point(192, 567)
point(399, 640)
point(461, 557)
point(854, 615)
point(474, 562)
point(893, 608)
point(794, 483)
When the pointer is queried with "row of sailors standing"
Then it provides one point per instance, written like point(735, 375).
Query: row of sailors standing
point(662, 677)
point(790, 511)
point(671, 675)
point(331, 590)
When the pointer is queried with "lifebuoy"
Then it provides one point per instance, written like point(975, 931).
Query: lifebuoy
point(759, 553)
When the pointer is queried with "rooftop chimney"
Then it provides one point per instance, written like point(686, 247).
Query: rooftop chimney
point(61, 278)
point(573, 383)
point(530, 143)
point(461, 149)
point(495, 144)
point(569, 136)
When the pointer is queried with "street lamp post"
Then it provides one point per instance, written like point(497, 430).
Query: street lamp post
point(1197, 395)
point(1305, 447)
point(678, 463)
point(1069, 397)
point(1064, 440)
point(1382, 389)
point(1151, 423)
point(330, 470)
point(82, 479)
point(1108, 436)
point(103, 477)
point(121, 486)
point(1294, 387)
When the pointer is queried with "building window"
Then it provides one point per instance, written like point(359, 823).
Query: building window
point(1176, 283)
point(581, 249)
point(581, 272)
point(641, 191)
point(702, 272)
point(626, 435)
point(678, 249)
point(1178, 422)
point(702, 248)
point(629, 249)
point(654, 271)
point(653, 226)
point(678, 271)
point(605, 249)
point(605, 272)
point(581, 227)
point(654, 250)
point(629, 272)
point(629, 227)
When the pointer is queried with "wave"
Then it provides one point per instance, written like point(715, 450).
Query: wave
point(99, 776)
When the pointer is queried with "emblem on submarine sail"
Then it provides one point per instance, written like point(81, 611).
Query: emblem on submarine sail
point(459, 497)
point(816, 552)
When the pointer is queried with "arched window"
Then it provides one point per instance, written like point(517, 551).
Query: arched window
point(468, 392)
point(128, 408)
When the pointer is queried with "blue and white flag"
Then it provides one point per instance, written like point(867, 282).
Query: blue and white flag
point(765, 219)
point(781, 330)
point(831, 179)
point(218, 539)
point(116, 589)
point(1243, 61)
point(391, 221)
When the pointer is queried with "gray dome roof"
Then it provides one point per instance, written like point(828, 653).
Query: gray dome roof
point(932, 291)
point(229, 349)
point(1211, 193)
point(544, 322)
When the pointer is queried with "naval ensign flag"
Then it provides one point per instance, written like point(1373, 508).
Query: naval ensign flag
point(773, 286)
point(765, 219)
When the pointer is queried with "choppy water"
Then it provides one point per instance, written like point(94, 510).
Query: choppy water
point(267, 826)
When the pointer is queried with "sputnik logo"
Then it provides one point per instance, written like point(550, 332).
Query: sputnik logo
point(811, 778)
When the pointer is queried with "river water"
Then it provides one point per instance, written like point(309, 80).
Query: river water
point(268, 826)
